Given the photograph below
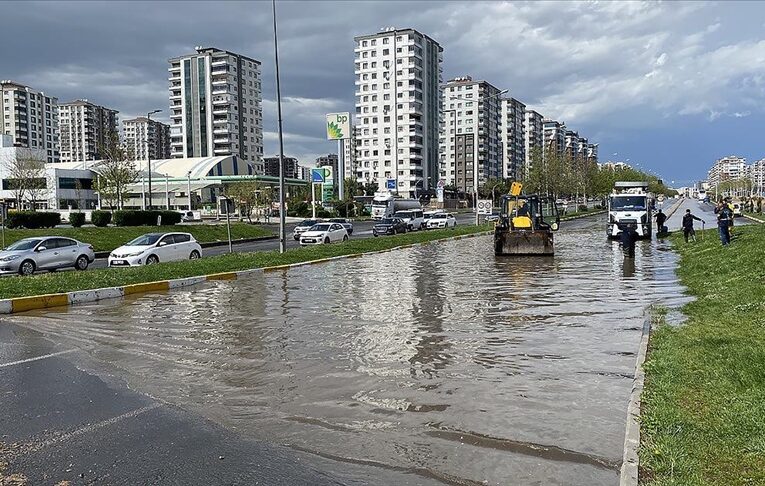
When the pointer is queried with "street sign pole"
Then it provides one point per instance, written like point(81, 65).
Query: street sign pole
point(340, 170)
point(313, 200)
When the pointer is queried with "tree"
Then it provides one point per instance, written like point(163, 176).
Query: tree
point(26, 175)
point(245, 196)
point(370, 188)
point(116, 171)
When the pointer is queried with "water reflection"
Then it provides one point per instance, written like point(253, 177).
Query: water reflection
point(441, 360)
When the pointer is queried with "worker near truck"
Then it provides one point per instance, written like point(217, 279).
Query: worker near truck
point(628, 238)
point(688, 231)
point(661, 218)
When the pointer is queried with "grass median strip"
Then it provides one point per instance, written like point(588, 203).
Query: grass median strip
point(703, 413)
point(107, 239)
point(52, 283)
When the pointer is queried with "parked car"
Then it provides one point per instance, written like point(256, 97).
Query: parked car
point(153, 248)
point(324, 234)
point(345, 223)
point(303, 226)
point(414, 218)
point(442, 220)
point(45, 253)
point(389, 226)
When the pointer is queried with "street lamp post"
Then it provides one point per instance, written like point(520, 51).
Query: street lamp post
point(188, 188)
point(148, 151)
point(282, 235)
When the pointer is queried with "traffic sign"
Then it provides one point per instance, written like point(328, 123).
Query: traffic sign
point(485, 206)
point(390, 184)
point(441, 183)
point(515, 188)
point(317, 175)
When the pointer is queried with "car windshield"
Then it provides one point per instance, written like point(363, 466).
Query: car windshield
point(308, 222)
point(388, 221)
point(403, 214)
point(337, 220)
point(439, 216)
point(145, 240)
point(628, 202)
point(320, 227)
point(23, 245)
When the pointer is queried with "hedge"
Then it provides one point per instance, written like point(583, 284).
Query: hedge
point(76, 219)
point(145, 218)
point(101, 218)
point(33, 219)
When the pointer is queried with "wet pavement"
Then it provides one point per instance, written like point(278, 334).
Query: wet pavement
point(434, 364)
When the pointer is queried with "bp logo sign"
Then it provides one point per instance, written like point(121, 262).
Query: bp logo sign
point(338, 126)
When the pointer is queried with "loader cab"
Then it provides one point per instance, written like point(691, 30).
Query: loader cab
point(530, 213)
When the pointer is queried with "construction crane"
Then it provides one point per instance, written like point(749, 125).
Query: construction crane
point(526, 224)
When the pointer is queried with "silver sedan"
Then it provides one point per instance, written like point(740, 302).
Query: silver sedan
point(50, 253)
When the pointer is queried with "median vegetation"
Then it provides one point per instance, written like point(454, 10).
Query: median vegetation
point(51, 283)
point(107, 239)
point(703, 408)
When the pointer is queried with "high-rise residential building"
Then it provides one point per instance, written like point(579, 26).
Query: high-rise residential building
point(84, 129)
point(554, 135)
point(725, 169)
point(757, 174)
point(398, 74)
point(513, 139)
point(291, 167)
point(592, 152)
point(145, 138)
point(533, 137)
point(31, 118)
point(215, 106)
point(470, 131)
point(572, 143)
point(329, 160)
point(349, 156)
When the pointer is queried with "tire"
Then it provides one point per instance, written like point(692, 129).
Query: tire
point(345, 237)
point(27, 267)
point(81, 263)
point(194, 255)
point(152, 259)
point(375, 235)
point(327, 241)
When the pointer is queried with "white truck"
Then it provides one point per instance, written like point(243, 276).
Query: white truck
point(385, 205)
point(630, 202)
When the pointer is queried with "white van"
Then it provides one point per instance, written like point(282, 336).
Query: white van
point(413, 218)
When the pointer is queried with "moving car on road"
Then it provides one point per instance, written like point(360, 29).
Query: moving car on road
point(414, 218)
point(389, 226)
point(324, 234)
point(345, 223)
point(303, 226)
point(45, 253)
point(442, 220)
point(153, 248)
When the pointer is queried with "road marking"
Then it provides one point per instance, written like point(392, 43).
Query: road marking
point(29, 360)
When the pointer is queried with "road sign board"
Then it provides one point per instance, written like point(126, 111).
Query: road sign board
point(484, 206)
point(338, 126)
point(515, 188)
point(390, 184)
point(441, 183)
point(317, 175)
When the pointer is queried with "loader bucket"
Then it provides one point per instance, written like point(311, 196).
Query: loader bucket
point(507, 242)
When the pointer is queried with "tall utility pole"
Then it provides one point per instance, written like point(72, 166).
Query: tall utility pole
point(148, 152)
point(282, 236)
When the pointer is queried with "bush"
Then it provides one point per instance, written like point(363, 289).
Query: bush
point(323, 213)
point(146, 218)
point(76, 219)
point(582, 208)
point(101, 218)
point(33, 219)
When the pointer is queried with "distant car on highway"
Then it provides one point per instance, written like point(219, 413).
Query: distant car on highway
point(389, 226)
point(50, 253)
point(303, 226)
point(153, 248)
point(442, 220)
point(345, 223)
point(324, 234)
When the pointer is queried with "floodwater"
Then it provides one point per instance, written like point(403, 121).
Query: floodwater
point(441, 361)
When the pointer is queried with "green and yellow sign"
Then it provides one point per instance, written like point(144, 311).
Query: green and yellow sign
point(338, 126)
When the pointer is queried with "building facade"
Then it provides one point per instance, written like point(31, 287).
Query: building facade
point(31, 118)
point(146, 138)
point(215, 106)
point(84, 129)
point(470, 132)
point(725, 169)
point(349, 156)
point(398, 78)
point(291, 167)
point(533, 137)
point(554, 135)
point(513, 139)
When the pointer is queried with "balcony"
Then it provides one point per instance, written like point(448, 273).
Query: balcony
point(218, 62)
point(219, 82)
point(222, 151)
point(219, 72)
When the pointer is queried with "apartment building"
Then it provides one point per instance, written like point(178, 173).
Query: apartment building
point(398, 75)
point(470, 132)
point(31, 118)
point(513, 139)
point(84, 129)
point(349, 156)
point(291, 167)
point(572, 146)
point(533, 136)
point(145, 138)
point(215, 106)
point(592, 152)
point(725, 169)
point(554, 136)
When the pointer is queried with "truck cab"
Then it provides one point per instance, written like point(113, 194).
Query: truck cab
point(630, 202)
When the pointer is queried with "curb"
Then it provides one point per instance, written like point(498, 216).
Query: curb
point(211, 244)
point(672, 210)
point(580, 216)
point(23, 304)
point(752, 218)
point(630, 458)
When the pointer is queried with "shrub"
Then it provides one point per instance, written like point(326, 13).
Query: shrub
point(101, 218)
point(33, 219)
point(323, 213)
point(76, 219)
point(146, 218)
point(582, 208)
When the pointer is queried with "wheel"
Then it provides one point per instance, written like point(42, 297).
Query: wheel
point(81, 263)
point(375, 235)
point(327, 241)
point(394, 231)
point(194, 255)
point(345, 237)
point(152, 259)
point(27, 267)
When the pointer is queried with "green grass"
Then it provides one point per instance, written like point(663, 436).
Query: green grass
point(703, 409)
point(107, 239)
point(50, 283)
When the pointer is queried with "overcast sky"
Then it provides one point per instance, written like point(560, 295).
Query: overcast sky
point(671, 86)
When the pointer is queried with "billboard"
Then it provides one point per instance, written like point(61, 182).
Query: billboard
point(338, 126)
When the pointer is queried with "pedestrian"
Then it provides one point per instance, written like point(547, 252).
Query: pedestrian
point(688, 230)
point(628, 237)
point(724, 215)
point(660, 219)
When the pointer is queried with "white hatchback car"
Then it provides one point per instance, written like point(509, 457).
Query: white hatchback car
point(153, 248)
point(324, 233)
point(442, 220)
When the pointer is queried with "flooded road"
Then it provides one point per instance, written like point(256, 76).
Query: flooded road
point(440, 361)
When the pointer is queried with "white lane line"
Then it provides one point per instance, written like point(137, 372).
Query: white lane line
point(22, 361)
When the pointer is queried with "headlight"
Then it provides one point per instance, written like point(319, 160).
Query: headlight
point(10, 258)
point(133, 254)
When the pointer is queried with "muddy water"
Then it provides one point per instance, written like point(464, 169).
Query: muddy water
point(442, 360)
